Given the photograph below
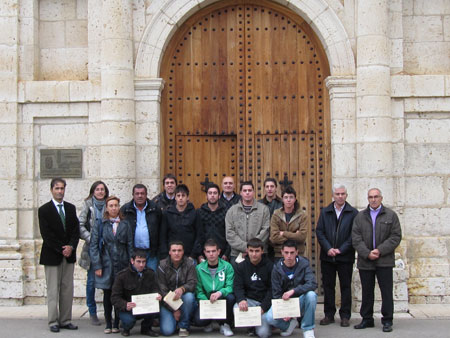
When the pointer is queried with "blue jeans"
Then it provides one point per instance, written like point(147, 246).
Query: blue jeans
point(264, 330)
point(308, 303)
point(167, 322)
point(230, 315)
point(128, 320)
point(90, 291)
point(152, 261)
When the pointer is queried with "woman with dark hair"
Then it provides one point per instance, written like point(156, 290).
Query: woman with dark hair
point(288, 222)
point(92, 213)
point(111, 248)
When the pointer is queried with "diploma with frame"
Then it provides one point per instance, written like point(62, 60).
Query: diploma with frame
point(216, 310)
point(285, 308)
point(145, 303)
point(252, 317)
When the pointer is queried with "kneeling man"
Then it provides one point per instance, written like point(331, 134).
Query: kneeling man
point(292, 277)
point(252, 283)
point(134, 280)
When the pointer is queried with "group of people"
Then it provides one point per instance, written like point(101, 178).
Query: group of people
point(233, 247)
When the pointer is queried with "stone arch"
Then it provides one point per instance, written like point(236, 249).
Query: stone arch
point(168, 15)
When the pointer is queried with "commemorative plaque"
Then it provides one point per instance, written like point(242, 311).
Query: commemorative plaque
point(66, 163)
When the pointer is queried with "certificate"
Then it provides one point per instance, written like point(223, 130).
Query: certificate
point(286, 308)
point(146, 303)
point(174, 304)
point(216, 310)
point(252, 317)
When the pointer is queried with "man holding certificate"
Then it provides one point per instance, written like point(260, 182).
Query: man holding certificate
point(253, 287)
point(176, 281)
point(215, 283)
point(137, 279)
point(292, 277)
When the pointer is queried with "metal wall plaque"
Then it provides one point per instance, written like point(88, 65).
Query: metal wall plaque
point(61, 163)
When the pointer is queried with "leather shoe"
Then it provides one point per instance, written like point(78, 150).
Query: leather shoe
point(54, 328)
point(69, 326)
point(387, 327)
point(150, 333)
point(345, 322)
point(364, 323)
point(326, 321)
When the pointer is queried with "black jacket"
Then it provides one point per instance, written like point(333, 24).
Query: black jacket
point(334, 233)
point(229, 203)
point(303, 281)
point(128, 283)
point(183, 226)
point(214, 226)
point(273, 205)
point(162, 202)
point(55, 236)
point(153, 217)
point(254, 282)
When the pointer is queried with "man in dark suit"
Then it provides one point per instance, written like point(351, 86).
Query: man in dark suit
point(59, 228)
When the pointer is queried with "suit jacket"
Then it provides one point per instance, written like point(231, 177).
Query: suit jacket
point(53, 234)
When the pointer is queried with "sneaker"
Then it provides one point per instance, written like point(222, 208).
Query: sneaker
point(183, 333)
point(290, 329)
point(208, 328)
point(115, 330)
point(94, 320)
point(225, 329)
point(125, 333)
point(251, 332)
point(108, 330)
point(308, 334)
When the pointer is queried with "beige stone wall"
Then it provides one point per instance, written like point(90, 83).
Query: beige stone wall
point(85, 74)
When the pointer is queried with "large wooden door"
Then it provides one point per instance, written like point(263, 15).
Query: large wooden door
point(245, 96)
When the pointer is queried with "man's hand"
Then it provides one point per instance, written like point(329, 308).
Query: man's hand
point(159, 297)
point(243, 305)
point(281, 233)
point(374, 254)
point(287, 294)
point(286, 319)
point(98, 272)
point(67, 250)
point(225, 258)
point(177, 315)
point(215, 296)
point(130, 305)
point(331, 253)
point(178, 293)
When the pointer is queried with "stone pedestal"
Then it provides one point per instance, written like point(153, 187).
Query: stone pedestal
point(11, 273)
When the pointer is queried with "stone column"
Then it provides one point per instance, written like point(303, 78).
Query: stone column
point(148, 126)
point(11, 280)
point(342, 90)
point(117, 130)
point(373, 114)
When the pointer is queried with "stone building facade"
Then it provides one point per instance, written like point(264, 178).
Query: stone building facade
point(84, 74)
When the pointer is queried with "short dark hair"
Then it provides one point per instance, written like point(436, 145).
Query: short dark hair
point(255, 243)
point(94, 186)
point(211, 242)
point(290, 190)
point(271, 179)
point(175, 243)
point(139, 186)
point(57, 180)
point(139, 253)
point(247, 183)
point(182, 188)
point(290, 243)
point(171, 176)
point(212, 185)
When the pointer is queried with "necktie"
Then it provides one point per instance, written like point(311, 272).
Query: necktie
point(61, 214)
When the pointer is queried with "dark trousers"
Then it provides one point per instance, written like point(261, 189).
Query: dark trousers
point(385, 282)
point(108, 309)
point(344, 272)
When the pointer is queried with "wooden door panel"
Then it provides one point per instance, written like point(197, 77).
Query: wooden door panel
point(245, 96)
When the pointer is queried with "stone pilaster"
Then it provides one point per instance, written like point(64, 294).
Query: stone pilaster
point(148, 126)
point(118, 149)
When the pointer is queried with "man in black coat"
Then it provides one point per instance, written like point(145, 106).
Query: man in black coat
point(134, 280)
point(59, 227)
point(144, 218)
point(334, 233)
point(166, 197)
point(252, 283)
point(212, 214)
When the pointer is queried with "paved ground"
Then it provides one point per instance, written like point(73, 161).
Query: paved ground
point(423, 320)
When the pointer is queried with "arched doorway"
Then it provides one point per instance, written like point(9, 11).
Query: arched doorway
point(245, 96)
